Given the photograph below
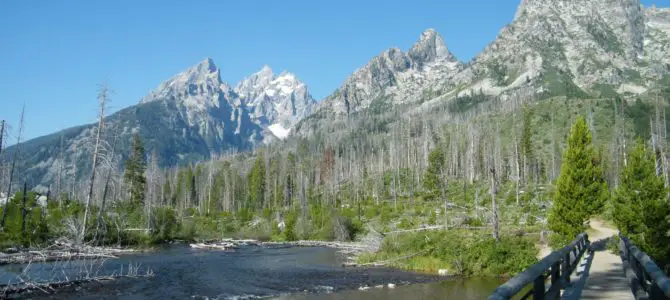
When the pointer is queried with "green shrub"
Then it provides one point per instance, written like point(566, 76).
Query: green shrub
point(290, 222)
point(405, 224)
point(166, 225)
point(462, 252)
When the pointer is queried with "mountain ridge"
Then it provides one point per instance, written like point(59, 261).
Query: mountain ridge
point(191, 116)
point(599, 48)
point(582, 48)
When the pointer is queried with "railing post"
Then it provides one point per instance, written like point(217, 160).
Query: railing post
point(538, 288)
point(566, 267)
point(655, 292)
point(556, 277)
point(555, 269)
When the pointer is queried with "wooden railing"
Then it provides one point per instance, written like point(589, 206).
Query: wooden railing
point(555, 268)
point(645, 278)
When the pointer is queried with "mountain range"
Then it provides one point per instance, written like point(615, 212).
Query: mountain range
point(579, 48)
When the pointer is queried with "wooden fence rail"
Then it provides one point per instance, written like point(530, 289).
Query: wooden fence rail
point(645, 278)
point(556, 268)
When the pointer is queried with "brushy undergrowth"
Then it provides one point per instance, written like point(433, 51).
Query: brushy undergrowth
point(461, 252)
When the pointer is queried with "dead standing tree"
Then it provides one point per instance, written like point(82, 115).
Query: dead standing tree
point(2, 133)
point(13, 167)
point(102, 98)
point(110, 164)
point(493, 166)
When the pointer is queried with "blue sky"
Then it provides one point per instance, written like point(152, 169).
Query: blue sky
point(54, 53)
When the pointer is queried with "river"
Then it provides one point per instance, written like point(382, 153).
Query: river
point(255, 272)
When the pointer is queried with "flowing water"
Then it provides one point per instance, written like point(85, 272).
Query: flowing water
point(254, 272)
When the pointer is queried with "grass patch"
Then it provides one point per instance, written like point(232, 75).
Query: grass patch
point(462, 252)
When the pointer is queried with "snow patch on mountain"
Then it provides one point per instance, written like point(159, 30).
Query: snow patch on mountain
point(279, 131)
point(275, 99)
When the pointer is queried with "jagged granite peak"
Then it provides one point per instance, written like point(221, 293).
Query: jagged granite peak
point(191, 116)
point(585, 45)
point(397, 77)
point(657, 38)
point(249, 87)
point(276, 102)
point(627, 15)
point(202, 79)
point(586, 48)
point(430, 48)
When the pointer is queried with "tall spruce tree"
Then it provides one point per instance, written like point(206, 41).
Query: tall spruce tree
point(641, 207)
point(581, 189)
point(527, 142)
point(432, 179)
point(134, 176)
point(256, 180)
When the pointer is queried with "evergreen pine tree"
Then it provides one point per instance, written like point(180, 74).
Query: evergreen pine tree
point(640, 205)
point(290, 184)
point(256, 182)
point(581, 189)
point(527, 142)
point(134, 172)
point(216, 193)
point(432, 178)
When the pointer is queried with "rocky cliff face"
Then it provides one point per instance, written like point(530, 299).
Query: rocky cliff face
point(584, 48)
point(558, 47)
point(397, 77)
point(277, 102)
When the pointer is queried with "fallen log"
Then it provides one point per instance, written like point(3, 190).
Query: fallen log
point(45, 256)
point(384, 262)
point(219, 246)
point(437, 228)
point(50, 288)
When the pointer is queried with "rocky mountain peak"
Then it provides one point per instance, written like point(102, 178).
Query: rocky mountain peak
point(205, 71)
point(276, 101)
point(201, 79)
point(430, 48)
point(250, 87)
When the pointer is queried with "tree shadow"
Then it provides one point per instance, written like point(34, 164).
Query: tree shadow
point(605, 281)
point(598, 282)
point(600, 245)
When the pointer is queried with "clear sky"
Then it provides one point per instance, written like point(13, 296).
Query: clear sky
point(54, 53)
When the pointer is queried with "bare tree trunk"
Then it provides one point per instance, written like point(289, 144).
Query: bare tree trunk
point(102, 98)
point(23, 211)
point(494, 205)
point(623, 138)
point(654, 148)
point(210, 184)
point(517, 176)
point(664, 143)
point(106, 188)
point(661, 141)
point(59, 179)
point(2, 133)
point(73, 180)
point(553, 149)
point(494, 188)
point(13, 167)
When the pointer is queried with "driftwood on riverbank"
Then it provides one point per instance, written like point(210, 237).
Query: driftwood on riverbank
point(48, 255)
point(369, 243)
point(438, 227)
point(227, 244)
point(61, 275)
point(61, 249)
point(390, 260)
